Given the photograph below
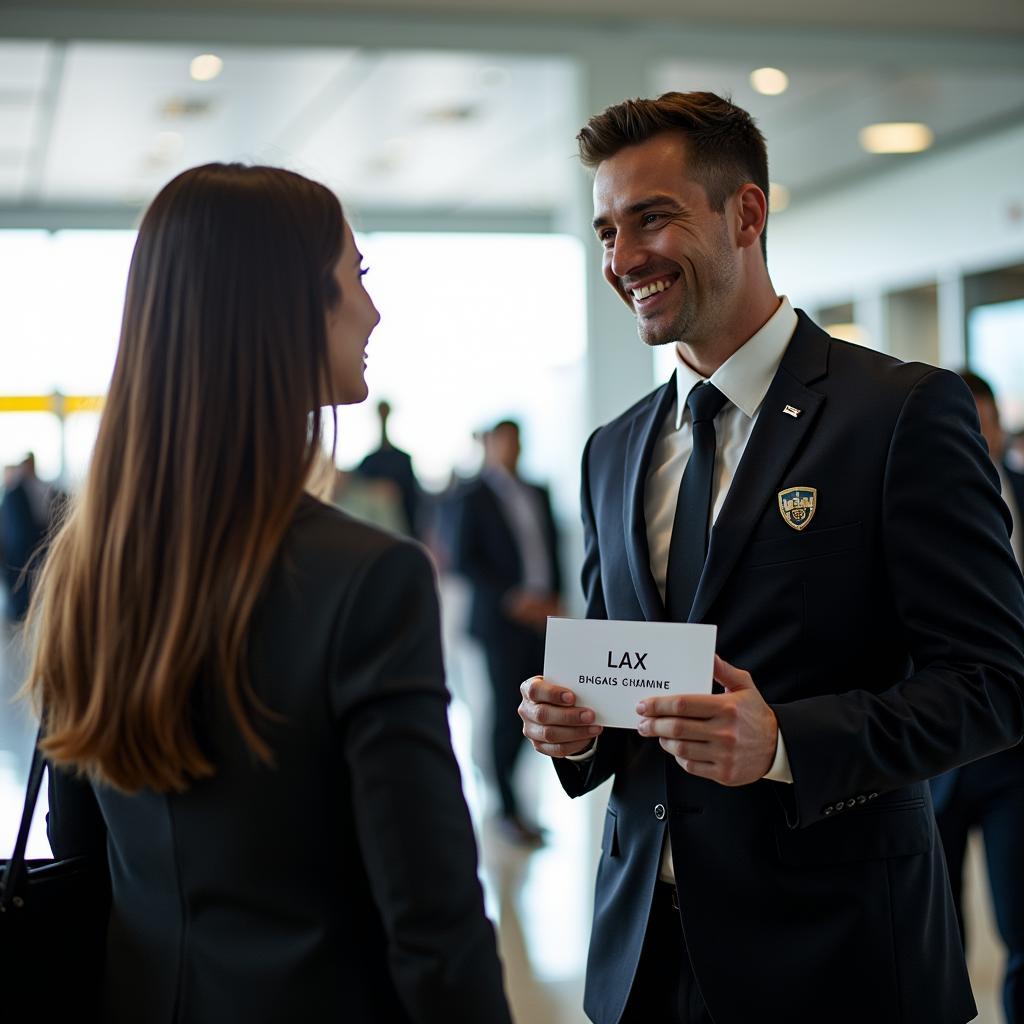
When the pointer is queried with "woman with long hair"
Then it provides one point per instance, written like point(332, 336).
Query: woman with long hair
point(242, 688)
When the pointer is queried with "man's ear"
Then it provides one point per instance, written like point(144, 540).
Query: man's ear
point(750, 207)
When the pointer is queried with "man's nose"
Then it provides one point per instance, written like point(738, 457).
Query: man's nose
point(628, 254)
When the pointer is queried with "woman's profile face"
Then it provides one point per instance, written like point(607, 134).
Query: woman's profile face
point(349, 325)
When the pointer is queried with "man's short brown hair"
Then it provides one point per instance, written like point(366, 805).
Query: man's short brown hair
point(726, 147)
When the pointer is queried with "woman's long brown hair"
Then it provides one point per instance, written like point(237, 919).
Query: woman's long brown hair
point(210, 429)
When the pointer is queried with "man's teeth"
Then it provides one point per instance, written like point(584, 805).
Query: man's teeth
point(650, 289)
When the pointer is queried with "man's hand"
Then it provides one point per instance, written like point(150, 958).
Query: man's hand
point(551, 720)
point(728, 737)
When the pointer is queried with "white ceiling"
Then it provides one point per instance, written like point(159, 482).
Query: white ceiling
point(975, 16)
point(102, 123)
point(95, 123)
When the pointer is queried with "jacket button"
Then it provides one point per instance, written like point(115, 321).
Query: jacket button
point(828, 810)
point(862, 799)
point(871, 796)
point(850, 802)
point(659, 811)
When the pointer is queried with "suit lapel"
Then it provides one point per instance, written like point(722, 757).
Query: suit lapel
point(773, 443)
point(643, 433)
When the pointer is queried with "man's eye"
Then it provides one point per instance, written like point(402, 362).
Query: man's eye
point(605, 236)
point(652, 218)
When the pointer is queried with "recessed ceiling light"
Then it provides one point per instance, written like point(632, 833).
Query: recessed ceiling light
point(778, 197)
point(896, 137)
point(205, 67)
point(454, 114)
point(181, 107)
point(769, 81)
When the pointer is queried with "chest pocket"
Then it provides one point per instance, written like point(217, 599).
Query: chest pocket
point(802, 546)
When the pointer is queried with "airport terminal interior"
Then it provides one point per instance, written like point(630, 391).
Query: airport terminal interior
point(895, 136)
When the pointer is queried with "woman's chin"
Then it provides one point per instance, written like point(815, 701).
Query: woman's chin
point(351, 392)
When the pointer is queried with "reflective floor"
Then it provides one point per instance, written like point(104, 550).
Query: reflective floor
point(540, 900)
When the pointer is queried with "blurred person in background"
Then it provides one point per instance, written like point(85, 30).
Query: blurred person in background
point(242, 688)
point(989, 794)
point(507, 549)
point(386, 462)
point(1014, 453)
point(29, 509)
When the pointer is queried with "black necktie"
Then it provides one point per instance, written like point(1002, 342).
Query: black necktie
point(688, 547)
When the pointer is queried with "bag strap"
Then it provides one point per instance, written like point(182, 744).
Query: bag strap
point(15, 871)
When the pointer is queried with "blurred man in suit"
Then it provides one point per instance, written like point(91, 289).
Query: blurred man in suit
point(508, 551)
point(28, 508)
point(770, 852)
point(989, 794)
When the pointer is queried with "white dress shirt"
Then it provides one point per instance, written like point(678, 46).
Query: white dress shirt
point(524, 514)
point(744, 379)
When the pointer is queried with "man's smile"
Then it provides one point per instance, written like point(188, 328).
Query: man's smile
point(645, 295)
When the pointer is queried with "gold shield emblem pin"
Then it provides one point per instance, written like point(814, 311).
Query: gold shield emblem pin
point(798, 505)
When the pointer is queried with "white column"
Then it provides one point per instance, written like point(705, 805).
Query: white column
point(619, 365)
point(952, 330)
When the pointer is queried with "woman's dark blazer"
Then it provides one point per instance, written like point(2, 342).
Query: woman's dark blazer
point(339, 883)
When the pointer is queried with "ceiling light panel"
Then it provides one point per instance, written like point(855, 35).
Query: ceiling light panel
point(115, 100)
point(206, 67)
point(18, 126)
point(24, 66)
point(812, 129)
point(896, 137)
point(523, 109)
point(769, 81)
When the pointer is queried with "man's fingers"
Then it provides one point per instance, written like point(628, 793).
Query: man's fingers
point(732, 678)
point(551, 720)
point(700, 768)
point(695, 705)
point(686, 750)
point(537, 690)
point(693, 729)
point(557, 734)
point(549, 714)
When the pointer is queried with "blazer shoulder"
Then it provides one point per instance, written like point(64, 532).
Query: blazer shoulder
point(887, 382)
point(331, 547)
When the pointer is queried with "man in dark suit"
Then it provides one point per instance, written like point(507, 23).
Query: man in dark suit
point(507, 549)
point(26, 512)
point(770, 852)
point(989, 794)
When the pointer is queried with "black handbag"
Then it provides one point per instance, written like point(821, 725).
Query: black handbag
point(53, 924)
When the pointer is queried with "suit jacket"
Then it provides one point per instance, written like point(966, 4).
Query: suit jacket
point(488, 556)
point(339, 883)
point(390, 463)
point(887, 636)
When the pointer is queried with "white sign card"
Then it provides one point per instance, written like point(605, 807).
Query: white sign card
point(612, 665)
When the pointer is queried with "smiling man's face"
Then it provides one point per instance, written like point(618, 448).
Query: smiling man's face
point(667, 253)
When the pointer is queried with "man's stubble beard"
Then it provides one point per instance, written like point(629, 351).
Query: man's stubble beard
point(699, 315)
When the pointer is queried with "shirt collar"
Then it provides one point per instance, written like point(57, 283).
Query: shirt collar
point(745, 376)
